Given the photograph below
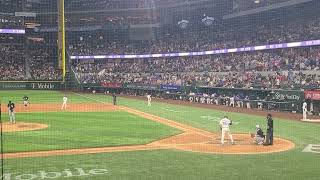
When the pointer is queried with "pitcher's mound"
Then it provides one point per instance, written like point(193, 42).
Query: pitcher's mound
point(21, 126)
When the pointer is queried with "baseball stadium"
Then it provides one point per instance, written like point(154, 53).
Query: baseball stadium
point(160, 89)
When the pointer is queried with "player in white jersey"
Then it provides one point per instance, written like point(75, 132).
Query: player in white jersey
point(225, 124)
point(232, 101)
point(304, 110)
point(149, 99)
point(64, 104)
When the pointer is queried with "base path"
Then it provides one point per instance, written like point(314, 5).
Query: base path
point(192, 139)
point(54, 107)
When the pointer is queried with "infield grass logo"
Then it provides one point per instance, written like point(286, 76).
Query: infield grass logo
point(66, 173)
point(312, 148)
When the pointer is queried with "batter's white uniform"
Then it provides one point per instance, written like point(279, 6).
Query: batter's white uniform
point(225, 128)
point(248, 105)
point(304, 111)
point(149, 100)
point(64, 104)
point(232, 101)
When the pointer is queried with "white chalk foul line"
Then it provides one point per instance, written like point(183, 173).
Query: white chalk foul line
point(167, 109)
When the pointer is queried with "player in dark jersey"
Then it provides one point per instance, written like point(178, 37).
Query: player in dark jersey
point(114, 98)
point(11, 111)
point(269, 138)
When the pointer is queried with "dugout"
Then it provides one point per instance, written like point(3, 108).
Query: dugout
point(312, 97)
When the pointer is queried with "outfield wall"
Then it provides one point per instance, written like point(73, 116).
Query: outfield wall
point(30, 85)
point(37, 85)
point(280, 100)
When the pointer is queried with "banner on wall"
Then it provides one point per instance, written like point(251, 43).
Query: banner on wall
point(170, 87)
point(13, 86)
point(282, 95)
point(141, 86)
point(44, 86)
point(31, 85)
point(312, 94)
point(111, 85)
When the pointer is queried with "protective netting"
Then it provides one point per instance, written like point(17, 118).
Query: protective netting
point(240, 54)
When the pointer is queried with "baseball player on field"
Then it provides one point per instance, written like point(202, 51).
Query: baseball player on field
point(259, 137)
point(64, 103)
point(11, 112)
point(225, 124)
point(304, 110)
point(232, 104)
point(114, 99)
point(247, 101)
point(149, 99)
point(26, 101)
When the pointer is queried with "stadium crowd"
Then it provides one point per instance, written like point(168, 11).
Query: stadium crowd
point(12, 65)
point(41, 68)
point(14, 60)
point(297, 59)
point(285, 68)
point(231, 80)
point(291, 68)
point(275, 69)
point(202, 40)
point(257, 69)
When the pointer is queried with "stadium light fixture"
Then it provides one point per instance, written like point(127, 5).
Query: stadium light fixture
point(208, 21)
point(183, 24)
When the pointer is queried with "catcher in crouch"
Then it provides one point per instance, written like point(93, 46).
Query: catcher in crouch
point(259, 137)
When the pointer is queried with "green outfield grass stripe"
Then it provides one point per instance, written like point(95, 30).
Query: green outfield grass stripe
point(72, 130)
point(90, 98)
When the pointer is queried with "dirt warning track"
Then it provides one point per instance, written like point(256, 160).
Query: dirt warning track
point(192, 139)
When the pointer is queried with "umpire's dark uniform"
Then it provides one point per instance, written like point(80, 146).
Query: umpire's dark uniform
point(269, 140)
point(114, 99)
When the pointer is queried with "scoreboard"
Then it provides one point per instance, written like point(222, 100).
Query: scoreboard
point(11, 22)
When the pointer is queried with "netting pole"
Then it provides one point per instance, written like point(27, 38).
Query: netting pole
point(62, 39)
point(2, 160)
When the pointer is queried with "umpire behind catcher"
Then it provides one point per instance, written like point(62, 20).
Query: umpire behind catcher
point(269, 138)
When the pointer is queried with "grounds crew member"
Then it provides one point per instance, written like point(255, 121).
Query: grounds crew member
point(269, 138)
point(12, 116)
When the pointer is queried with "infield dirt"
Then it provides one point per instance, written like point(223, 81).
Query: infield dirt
point(192, 139)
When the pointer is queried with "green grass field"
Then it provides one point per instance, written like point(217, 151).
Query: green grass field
point(78, 130)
